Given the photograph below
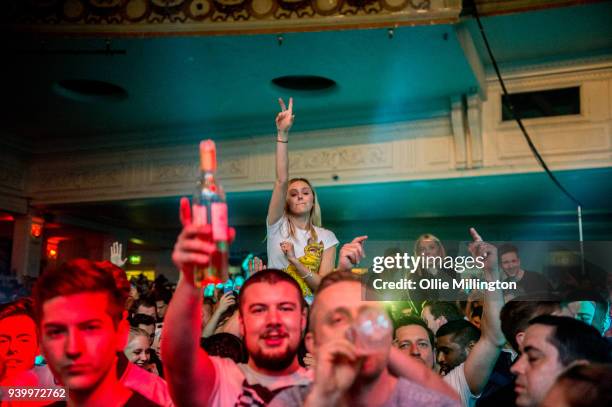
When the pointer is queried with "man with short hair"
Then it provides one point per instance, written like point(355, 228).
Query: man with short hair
point(454, 342)
point(527, 281)
point(346, 373)
point(438, 313)
point(551, 344)
point(516, 314)
point(144, 322)
point(19, 347)
point(79, 310)
point(146, 306)
point(162, 297)
point(414, 338)
point(272, 317)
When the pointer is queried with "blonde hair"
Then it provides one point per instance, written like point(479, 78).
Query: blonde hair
point(135, 332)
point(314, 218)
point(433, 238)
point(429, 236)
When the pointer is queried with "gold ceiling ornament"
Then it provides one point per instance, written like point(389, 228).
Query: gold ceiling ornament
point(201, 17)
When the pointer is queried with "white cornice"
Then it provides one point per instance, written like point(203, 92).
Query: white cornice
point(590, 67)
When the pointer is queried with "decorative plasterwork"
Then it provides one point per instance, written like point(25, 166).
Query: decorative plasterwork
point(574, 141)
point(459, 136)
point(474, 123)
point(168, 172)
point(57, 179)
point(553, 73)
point(558, 141)
point(361, 154)
point(124, 17)
point(466, 119)
point(425, 149)
point(346, 158)
point(492, 7)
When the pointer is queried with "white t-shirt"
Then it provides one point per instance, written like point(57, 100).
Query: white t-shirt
point(279, 232)
point(239, 385)
point(456, 379)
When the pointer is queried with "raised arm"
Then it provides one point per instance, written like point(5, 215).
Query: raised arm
point(481, 360)
point(284, 121)
point(190, 372)
point(225, 302)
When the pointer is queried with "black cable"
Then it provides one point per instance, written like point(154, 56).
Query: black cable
point(508, 103)
point(534, 150)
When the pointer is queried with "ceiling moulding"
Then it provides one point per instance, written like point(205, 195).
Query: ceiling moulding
point(201, 17)
point(495, 7)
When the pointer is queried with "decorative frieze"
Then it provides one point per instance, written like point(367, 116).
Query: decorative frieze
point(363, 157)
point(172, 172)
point(125, 17)
point(557, 141)
point(573, 140)
point(168, 172)
point(470, 141)
point(80, 178)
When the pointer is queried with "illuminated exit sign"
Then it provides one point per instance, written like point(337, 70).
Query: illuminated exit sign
point(134, 259)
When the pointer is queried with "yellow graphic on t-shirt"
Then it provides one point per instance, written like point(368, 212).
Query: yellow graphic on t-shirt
point(312, 260)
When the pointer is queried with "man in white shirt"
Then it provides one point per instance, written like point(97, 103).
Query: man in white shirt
point(272, 320)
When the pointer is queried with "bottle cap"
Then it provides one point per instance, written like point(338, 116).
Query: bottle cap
point(208, 155)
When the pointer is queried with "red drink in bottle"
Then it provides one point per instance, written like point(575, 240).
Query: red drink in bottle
point(209, 207)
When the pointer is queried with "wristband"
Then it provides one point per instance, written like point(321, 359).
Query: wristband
point(306, 276)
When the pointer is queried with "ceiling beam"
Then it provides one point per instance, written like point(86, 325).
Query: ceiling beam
point(471, 55)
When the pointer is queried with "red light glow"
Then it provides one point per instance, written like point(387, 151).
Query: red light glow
point(52, 246)
point(36, 230)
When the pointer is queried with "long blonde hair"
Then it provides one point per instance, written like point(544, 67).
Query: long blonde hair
point(314, 218)
point(433, 238)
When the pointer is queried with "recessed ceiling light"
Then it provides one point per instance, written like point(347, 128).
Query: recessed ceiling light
point(304, 82)
point(87, 90)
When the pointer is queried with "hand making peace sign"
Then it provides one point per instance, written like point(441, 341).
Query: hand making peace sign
point(284, 119)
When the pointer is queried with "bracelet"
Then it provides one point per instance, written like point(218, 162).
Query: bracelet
point(306, 276)
point(281, 141)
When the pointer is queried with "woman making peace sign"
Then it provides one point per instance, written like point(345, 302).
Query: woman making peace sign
point(296, 241)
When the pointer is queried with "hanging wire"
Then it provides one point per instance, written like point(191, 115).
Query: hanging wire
point(508, 102)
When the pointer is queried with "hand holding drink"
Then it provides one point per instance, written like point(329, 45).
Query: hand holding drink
point(202, 249)
point(371, 332)
point(209, 208)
